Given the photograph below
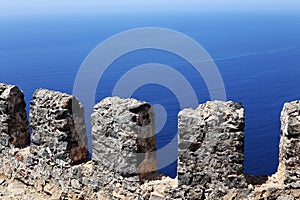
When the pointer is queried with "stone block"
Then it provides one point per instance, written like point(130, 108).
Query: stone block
point(211, 147)
point(14, 127)
point(58, 127)
point(123, 133)
point(289, 148)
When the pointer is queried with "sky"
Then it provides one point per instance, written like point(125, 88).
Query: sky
point(48, 7)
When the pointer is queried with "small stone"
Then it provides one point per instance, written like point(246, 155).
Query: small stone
point(52, 190)
point(117, 195)
point(132, 179)
point(75, 184)
point(296, 193)
point(156, 196)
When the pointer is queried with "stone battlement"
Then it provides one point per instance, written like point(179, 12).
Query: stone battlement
point(55, 163)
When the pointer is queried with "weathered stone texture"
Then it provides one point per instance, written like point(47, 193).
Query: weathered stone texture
point(14, 127)
point(58, 144)
point(289, 158)
point(211, 146)
point(123, 132)
point(210, 166)
point(58, 127)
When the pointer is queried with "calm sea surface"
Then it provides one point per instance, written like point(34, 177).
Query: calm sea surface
point(258, 56)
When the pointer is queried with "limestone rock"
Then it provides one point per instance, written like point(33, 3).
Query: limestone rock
point(123, 132)
point(13, 118)
point(58, 127)
point(210, 166)
point(211, 148)
point(156, 196)
point(289, 158)
point(285, 183)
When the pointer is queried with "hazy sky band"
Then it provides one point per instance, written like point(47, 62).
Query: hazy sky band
point(20, 7)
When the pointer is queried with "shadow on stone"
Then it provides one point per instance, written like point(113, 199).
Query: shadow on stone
point(256, 180)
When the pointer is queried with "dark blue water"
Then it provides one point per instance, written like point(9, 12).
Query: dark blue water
point(257, 55)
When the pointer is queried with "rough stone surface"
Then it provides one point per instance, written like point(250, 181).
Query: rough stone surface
point(123, 133)
point(58, 127)
point(285, 183)
point(210, 153)
point(289, 148)
point(13, 118)
point(14, 130)
point(211, 148)
point(15, 190)
point(49, 163)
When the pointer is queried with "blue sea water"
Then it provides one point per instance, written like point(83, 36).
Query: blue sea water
point(258, 56)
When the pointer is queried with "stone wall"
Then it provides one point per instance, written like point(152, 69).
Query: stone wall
point(289, 148)
point(56, 162)
point(285, 183)
point(123, 133)
point(58, 127)
point(57, 144)
point(13, 118)
point(124, 164)
point(211, 148)
point(14, 130)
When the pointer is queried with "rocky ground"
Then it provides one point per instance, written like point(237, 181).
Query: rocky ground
point(259, 188)
point(16, 190)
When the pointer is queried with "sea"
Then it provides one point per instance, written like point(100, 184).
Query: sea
point(257, 55)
